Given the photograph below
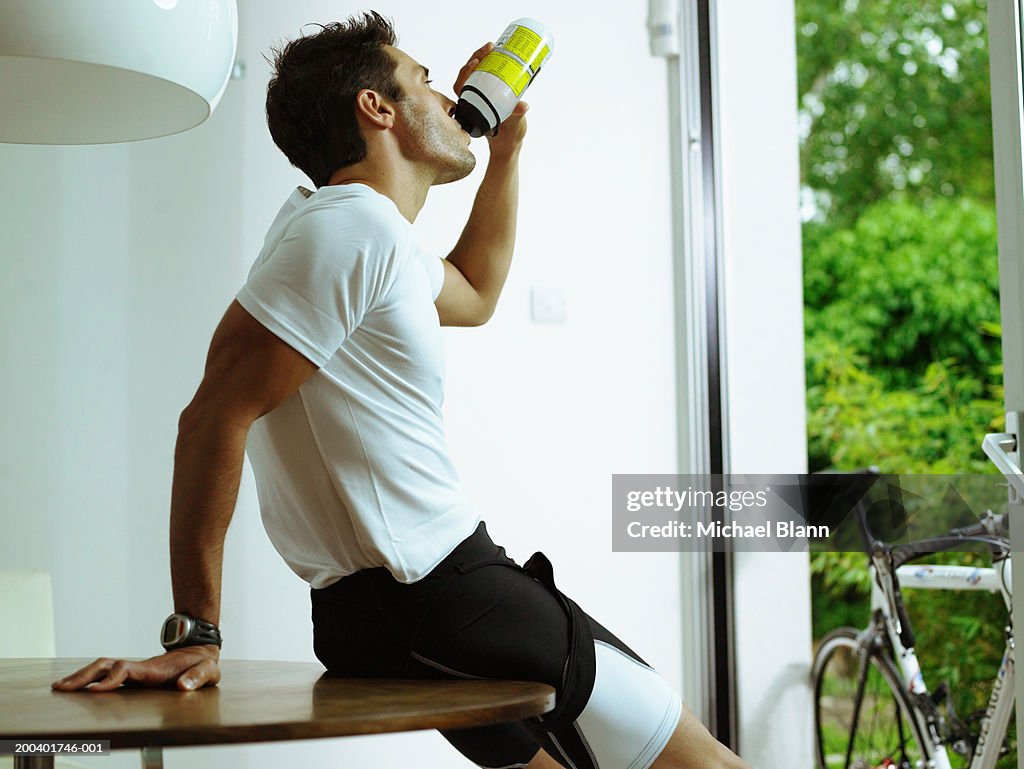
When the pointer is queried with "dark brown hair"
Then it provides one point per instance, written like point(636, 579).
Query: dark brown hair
point(311, 97)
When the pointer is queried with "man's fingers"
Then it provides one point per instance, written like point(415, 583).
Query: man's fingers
point(119, 672)
point(104, 674)
point(464, 74)
point(482, 51)
point(469, 66)
point(94, 671)
point(201, 674)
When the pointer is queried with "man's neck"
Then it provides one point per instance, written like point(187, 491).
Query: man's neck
point(402, 184)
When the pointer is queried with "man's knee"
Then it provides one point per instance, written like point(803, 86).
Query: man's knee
point(543, 761)
point(693, 747)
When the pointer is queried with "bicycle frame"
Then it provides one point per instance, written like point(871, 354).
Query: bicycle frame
point(941, 577)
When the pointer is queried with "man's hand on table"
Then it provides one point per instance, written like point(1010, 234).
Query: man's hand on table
point(190, 668)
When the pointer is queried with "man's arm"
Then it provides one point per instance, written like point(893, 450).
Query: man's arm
point(475, 271)
point(249, 371)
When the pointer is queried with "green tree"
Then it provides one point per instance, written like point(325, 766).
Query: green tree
point(894, 98)
point(854, 421)
point(906, 285)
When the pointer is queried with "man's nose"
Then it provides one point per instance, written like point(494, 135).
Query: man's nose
point(448, 104)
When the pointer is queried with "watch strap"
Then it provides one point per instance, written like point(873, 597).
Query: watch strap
point(203, 632)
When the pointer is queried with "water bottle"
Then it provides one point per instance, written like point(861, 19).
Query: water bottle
point(497, 84)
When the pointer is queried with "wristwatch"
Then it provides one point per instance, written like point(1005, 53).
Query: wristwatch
point(185, 630)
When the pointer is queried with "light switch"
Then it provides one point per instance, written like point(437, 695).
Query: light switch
point(547, 304)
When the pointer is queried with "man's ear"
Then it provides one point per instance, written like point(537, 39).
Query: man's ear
point(374, 108)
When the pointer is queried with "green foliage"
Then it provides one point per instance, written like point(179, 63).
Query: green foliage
point(908, 284)
point(894, 97)
point(841, 588)
point(854, 421)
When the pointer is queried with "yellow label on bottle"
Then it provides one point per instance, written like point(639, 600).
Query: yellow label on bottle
point(538, 62)
point(509, 70)
point(524, 43)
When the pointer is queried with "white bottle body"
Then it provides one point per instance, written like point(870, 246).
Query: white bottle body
point(502, 77)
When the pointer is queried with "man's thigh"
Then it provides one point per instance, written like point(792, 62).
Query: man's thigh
point(494, 622)
point(502, 746)
point(498, 622)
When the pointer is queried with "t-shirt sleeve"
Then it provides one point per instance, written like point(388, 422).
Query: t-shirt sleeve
point(316, 288)
point(432, 263)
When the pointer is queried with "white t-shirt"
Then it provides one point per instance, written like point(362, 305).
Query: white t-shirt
point(352, 471)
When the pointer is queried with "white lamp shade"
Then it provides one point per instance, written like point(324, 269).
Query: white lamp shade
point(100, 71)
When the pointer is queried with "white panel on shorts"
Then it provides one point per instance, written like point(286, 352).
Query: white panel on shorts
point(631, 714)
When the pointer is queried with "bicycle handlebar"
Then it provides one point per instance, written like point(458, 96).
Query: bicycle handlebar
point(974, 530)
point(989, 526)
point(902, 554)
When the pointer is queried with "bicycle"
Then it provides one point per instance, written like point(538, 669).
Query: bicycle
point(872, 707)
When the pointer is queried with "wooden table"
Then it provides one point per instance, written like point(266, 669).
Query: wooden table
point(255, 702)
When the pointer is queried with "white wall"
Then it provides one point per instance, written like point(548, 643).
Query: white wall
point(118, 261)
point(764, 387)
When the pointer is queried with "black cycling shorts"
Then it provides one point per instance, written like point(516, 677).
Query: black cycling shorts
point(479, 614)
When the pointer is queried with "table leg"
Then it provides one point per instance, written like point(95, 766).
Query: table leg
point(152, 758)
point(33, 762)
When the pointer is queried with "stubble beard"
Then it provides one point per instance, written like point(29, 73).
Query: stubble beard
point(430, 139)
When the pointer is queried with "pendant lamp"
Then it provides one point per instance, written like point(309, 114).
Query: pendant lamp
point(102, 71)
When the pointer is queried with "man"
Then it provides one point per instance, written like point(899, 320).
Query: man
point(328, 370)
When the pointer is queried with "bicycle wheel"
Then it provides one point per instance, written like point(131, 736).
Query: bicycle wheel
point(884, 732)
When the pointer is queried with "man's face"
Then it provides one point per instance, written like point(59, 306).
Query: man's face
point(426, 128)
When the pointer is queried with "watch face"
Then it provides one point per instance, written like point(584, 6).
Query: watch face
point(175, 629)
